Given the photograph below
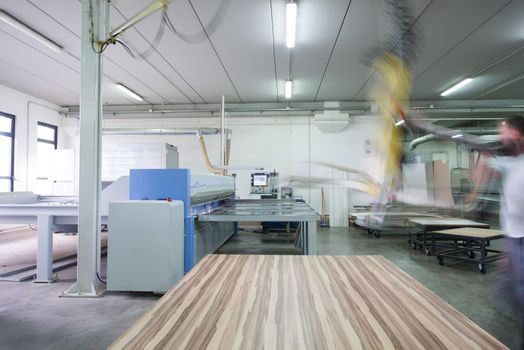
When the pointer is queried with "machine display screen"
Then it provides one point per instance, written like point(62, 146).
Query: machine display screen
point(260, 180)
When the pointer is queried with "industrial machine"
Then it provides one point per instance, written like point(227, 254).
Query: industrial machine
point(146, 245)
point(265, 183)
point(200, 193)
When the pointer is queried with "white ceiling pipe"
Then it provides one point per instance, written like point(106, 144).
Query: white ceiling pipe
point(430, 137)
point(146, 12)
point(170, 131)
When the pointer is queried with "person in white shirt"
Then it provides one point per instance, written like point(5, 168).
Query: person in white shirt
point(511, 169)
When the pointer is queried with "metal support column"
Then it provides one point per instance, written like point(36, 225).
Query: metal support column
point(223, 132)
point(312, 237)
point(44, 253)
point(94, 19)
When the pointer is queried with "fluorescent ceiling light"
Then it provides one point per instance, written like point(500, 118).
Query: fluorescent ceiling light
point(457, 86)
point(291, 23)
point(400, 122)
point(13, 22)
point(128, 92)
point(287, 88)
point(456, 136)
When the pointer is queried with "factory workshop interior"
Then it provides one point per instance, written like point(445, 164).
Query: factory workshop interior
point(261, 174)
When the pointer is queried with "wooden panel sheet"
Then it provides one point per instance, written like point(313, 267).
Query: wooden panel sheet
point(473, 232)
point(447, 222)
point(302, 302)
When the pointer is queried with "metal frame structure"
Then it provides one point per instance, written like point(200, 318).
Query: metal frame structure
point(390, 221)
point(462, 247)
point(423, 239)
point(95, 23)
point(270, 210)
point(95, 32)
point(436, 110)
point(49, 216)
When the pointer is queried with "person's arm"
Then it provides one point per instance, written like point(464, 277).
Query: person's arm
point(485, 170)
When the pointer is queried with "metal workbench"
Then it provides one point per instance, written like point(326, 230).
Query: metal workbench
point(424, 237)
point(392, 221)
point(467, 244)
point(50, 216)
point(270, 210)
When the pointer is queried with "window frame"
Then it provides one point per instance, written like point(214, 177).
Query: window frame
point(50, 126)
point(49, 142)
point(11, 134)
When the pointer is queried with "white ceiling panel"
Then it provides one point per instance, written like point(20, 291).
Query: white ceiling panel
point(347, 72)
point(36, 13)
point(245, 46)
point(498, 36)
point(281, 52)
point(362, 31)
point(445, 24)
point(195, 65)
point(247, 59)
point(513, 88)
point(38, 63)
point(143, 70)
point(494, 77)
point(318, 23)
point(37, 86)
point(142, 44)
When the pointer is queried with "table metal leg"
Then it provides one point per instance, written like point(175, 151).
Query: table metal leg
point(311, 238)
point(482, 263)
point(44, 254)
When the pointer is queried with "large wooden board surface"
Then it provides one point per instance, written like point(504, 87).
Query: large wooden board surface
point(472, 232)
point(302, 302)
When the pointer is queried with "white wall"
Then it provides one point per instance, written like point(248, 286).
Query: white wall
point(284, 144)
point(28, 111)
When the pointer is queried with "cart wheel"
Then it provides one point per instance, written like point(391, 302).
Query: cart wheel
point(377, 234)
point(428, 252)
point(440, 260)
point(471, 254)
point(482, 268)
point(414, 245)
point(370, 231)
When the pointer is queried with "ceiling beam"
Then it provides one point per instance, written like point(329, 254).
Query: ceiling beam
point(434, 109)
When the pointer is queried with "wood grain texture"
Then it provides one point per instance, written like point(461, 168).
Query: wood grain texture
point(458, 222)
point(472, 232)
point(302, 302)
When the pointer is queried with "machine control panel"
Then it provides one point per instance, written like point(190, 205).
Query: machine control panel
point(264, 182)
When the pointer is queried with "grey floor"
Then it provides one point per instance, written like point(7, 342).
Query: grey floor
point(33, 316)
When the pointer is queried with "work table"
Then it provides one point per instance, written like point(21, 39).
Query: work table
point(302, 302)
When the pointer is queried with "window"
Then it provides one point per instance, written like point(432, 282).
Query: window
point(7, 151)
point(46, 140)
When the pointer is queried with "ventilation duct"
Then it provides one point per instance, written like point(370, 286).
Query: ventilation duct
point(331, 120)
point(487, 135)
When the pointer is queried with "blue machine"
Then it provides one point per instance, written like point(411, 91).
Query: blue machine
point(200, 193)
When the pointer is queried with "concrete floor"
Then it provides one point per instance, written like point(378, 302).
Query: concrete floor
point(33, 316)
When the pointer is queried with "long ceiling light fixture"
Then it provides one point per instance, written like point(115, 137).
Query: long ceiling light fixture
point(457, 86)
point(288, 87)
point(128, 92)
point(15, 23)
point(291, 23)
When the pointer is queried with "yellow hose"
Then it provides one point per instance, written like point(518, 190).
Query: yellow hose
point(203, 150)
